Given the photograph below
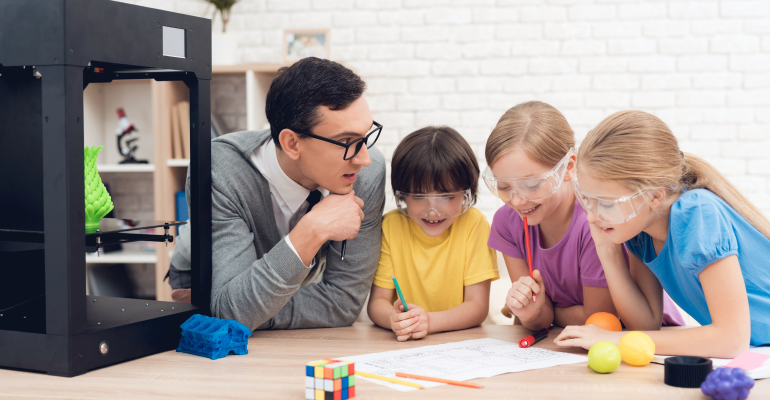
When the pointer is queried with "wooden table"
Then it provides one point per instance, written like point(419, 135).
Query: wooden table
point(274, 369)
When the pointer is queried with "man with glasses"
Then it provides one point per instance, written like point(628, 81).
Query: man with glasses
point(286, 200)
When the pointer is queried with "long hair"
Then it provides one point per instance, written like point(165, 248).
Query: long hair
point(639, 151)
point(539, 128)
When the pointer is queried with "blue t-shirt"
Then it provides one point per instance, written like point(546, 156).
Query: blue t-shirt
point(704, 229)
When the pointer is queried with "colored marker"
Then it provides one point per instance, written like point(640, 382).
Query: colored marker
point(432, 379)
point(387, 379)
point(533, 338)
point(529, 255)
point(400, 295)
point(342, 250)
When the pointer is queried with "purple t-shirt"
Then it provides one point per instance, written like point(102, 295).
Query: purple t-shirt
point(567, 266)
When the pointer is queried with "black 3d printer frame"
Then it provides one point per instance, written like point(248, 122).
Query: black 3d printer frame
point(49, 52)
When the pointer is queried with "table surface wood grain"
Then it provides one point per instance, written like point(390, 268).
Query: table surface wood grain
point(274, 369)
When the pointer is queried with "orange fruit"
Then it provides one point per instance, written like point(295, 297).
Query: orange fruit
point(636, 348)
point(606, 321)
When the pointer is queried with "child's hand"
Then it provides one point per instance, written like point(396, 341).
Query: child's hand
point(409, 324)
point(586, 336)
point(602, 240)
point(520, 295)
point(506, 311)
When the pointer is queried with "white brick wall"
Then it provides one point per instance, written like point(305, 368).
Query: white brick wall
point(702, 66)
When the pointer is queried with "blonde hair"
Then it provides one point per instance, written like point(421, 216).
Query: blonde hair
point(539, 128)
point(639, 150)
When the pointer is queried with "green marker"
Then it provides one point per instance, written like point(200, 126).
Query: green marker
point(400, 295)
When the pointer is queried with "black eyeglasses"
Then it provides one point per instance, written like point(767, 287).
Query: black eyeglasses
point(369, 140)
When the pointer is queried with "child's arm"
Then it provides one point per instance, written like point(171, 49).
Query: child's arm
point(534, 316)
point(380, 306)
point(595, 299)
point(472, 312)
point(727, 336)
point(635, 290)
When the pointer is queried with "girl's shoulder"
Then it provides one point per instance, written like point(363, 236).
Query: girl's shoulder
point(697, 205)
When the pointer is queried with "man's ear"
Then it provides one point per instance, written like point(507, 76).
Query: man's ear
point(657, 198)
point(289, 143)
point(571, 168)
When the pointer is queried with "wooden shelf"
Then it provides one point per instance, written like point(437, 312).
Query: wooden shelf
point(240, 69)
point(178, 162)
point(126, 168)
point(122, 257)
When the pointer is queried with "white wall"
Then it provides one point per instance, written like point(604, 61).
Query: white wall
point(702, 66)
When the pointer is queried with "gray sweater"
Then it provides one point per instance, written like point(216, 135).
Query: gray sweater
point(256, 278)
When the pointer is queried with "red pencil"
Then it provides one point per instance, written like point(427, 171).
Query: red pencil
point(529, 255)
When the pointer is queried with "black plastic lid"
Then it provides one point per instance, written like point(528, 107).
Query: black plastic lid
point(687, 372)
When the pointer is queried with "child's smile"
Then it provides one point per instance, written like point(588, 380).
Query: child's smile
point(528, 211)
point(433, 223)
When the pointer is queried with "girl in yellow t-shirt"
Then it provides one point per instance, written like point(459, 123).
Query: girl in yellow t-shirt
point(435, 243)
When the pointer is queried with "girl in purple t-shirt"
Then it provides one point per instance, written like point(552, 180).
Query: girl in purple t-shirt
point(530, 157)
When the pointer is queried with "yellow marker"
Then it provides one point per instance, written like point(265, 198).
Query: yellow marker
point(391, 380)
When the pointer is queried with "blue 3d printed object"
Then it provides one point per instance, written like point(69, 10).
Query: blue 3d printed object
point(213, 337)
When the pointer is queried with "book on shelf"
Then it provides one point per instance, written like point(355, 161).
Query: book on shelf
point(176, 136)
point(183, 111)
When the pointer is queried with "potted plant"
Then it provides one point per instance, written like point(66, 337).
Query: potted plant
point(223, 45)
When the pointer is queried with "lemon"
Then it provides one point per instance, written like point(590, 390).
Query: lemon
point(636, 348)
point(603, 357)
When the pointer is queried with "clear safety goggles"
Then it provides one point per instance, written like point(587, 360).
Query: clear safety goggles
point(611, 210)
point(442, 205)
point(531, 188)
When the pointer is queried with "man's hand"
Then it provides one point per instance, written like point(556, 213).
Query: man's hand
point(335, 217)
point(410, 324)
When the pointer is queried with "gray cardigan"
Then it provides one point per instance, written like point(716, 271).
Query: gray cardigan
point(257, 279)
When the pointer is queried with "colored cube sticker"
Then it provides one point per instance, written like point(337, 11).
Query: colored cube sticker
point(310, 382)
point(319, 395)
point(328, 385)
point(309, 394)
point(345, 382)
point(344, 394)
point(351, 381)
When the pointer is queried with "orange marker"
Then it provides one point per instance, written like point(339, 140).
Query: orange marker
point(432, 379)
point(529, 255)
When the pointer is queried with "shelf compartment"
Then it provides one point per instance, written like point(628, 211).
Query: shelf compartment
point(122, 257)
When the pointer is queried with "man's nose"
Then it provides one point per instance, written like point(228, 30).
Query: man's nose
point(362, 158)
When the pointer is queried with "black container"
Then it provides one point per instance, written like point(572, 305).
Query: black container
point(49, 52)
point(686, 372)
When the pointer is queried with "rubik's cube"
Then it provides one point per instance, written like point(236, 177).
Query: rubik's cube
point(330, 380)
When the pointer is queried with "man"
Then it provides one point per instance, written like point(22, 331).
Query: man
point(285, 199)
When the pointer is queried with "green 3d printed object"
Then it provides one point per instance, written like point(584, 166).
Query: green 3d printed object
point(98, 201)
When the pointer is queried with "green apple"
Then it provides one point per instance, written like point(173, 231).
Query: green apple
point(604, 357)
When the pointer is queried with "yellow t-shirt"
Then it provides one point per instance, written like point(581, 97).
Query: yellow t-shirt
point(432, 271)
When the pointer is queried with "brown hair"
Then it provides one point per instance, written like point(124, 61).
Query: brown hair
point(639, 150)
point(539, 128)
point(434, 159)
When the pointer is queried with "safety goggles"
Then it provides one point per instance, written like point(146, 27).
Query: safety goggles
point(532, 188)
point(611, 210)
point(438, 206)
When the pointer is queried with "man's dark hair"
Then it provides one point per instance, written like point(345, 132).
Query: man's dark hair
point(434, 159)
point(298, 91)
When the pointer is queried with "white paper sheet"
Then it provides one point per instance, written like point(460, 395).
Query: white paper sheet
point(460, 361)
point(761, 372)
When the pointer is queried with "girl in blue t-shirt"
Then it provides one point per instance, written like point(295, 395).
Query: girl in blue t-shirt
point(688, 231)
